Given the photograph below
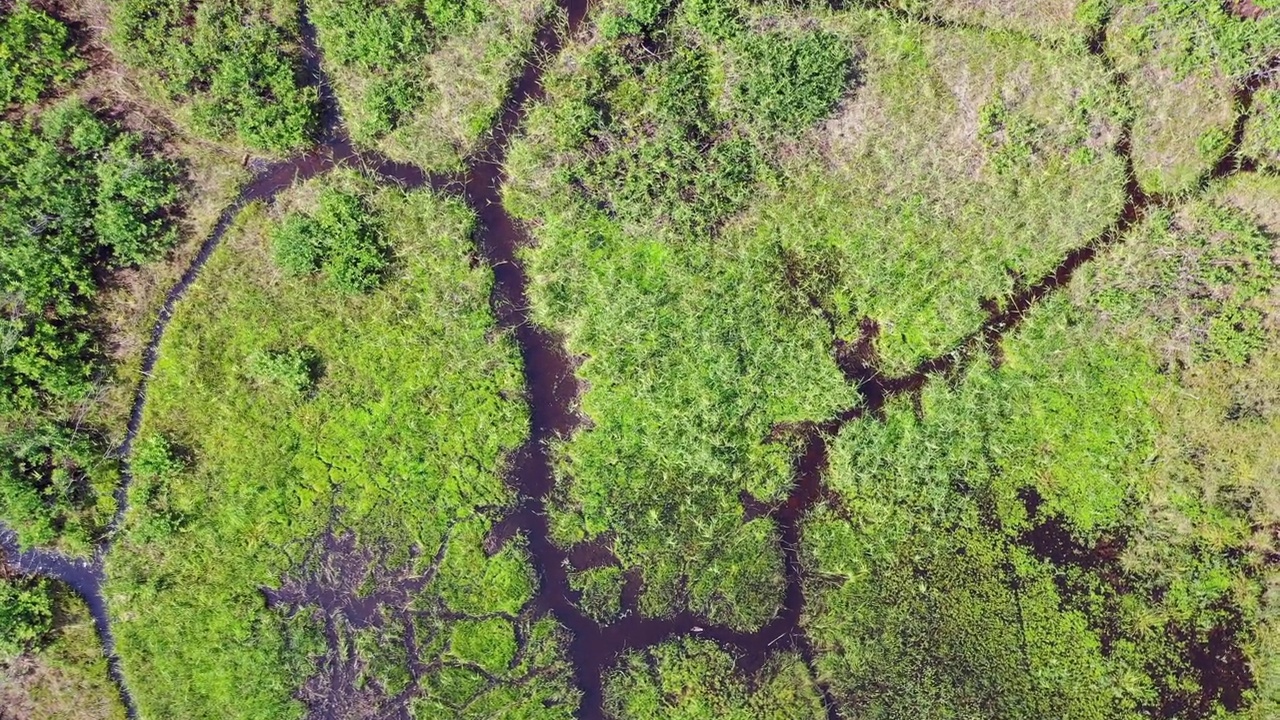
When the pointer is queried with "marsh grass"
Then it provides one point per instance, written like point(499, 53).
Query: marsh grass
point(1064, 21)
point(1182, 61)
point(692, 355)
point(701, 339)
point(405, 432)
point(1261, 141)
point(690, 364)
point(991, 545)
point(966, 164)
point(1097, 493)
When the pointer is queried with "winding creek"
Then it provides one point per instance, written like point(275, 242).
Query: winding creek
point(552, 391)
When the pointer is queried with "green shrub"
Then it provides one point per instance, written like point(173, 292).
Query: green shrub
point(357, 267)
point(36, 55)
point(134, 194)
point(601, 592)
point(451, 16)
point(298, 245)
point(155, 457)
point(717, 19)
point(1262, 129)
point(51, 481)
point(160, 512)
point(26, 614)
point(235, 62)
point(693, 679)
point(294, 371)
point(76, 195)
point(640, 18)
point(792, 82)
point(341, 238)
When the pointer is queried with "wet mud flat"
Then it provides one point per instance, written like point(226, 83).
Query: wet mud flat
point(347, 587)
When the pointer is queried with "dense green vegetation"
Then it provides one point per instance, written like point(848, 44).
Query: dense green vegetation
point(79, 197)
point(27, 614)
point(695, 680)
point(75, 190)
point(690, 358)
point(50, 663)
point(424, 81)
point(341, 237)
point(281, 401)
point(35, 55)
point(232, 68)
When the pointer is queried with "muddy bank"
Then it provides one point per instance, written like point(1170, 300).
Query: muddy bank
point(372, 594)
point(1246, 9)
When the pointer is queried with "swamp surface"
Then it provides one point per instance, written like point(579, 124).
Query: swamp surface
point(640, 359)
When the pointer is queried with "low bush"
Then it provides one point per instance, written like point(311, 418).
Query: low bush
point(159, 512)
point(236, 64)
point(294, 371)
point(62, 673)
point(76, 196)
point(639, 17)
point(695, 679)
point(1262, 130)
point(36, 55)
point(341, 238)
point(26, 614)
point(54, 485)
point(601, 592)
point(792, 82)
point(298, 245)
